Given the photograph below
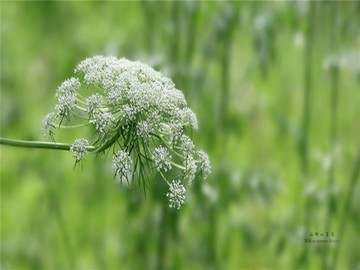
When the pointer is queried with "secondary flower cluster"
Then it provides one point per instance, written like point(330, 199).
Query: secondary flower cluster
point(139, 114)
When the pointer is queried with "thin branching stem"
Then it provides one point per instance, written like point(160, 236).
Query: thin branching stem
point(74, 126)
point(178, 166)
point(167, 145)
point(163, 176)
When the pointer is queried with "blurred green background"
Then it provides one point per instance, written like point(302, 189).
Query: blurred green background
point(275, 86)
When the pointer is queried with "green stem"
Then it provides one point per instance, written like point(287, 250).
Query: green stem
point(75, 126)
point(331, 203)
point(347, 209)
point(148, 12)
point(81, 108)
point(175, 48)
point(39, 144)
point(109, 142)
point(163, 176)
point(225, 58)
point(304, 150)
point(178, 166)
point(192, 27)
point(55, 208)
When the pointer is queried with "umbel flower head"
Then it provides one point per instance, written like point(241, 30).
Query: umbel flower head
point(136, 113)
point(78, 149)
point(176, 194)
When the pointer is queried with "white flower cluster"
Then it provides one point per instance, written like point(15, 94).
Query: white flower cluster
point(102, 122)
point(78, 149)
point(176, 194)
point(162, 158)
point(187, 145)
point(94, 102)
point(204, 163)
point(122, 164)
point(191, 169)
point(47, 124)
point(143, 129)
point(66, 94)
point(68, 87)
point(136, 111)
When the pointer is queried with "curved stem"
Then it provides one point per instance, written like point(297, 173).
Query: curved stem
point(80, 100)
point(178, 166)
point(75, 126)
point(81, 108)
point(39, 144)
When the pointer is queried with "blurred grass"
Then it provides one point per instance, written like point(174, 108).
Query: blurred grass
point(241, 67)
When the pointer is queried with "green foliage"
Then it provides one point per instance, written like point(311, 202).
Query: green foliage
point(244, 68)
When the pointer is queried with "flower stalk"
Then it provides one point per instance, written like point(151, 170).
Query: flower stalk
point(39, 144)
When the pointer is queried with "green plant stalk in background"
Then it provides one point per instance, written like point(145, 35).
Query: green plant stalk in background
point(354, 178)
point(55, 208)
point(304, 147)
point(227, 34)
point(335, 77)
point(176, 37)
point(147, 9)
point(192, 18)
